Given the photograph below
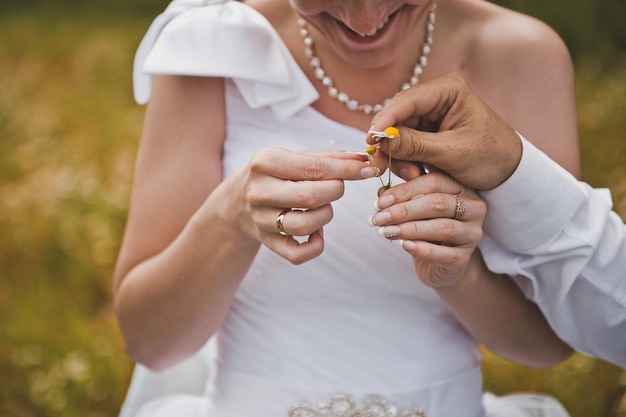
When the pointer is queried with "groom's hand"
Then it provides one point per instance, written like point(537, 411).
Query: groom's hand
point(445, 124)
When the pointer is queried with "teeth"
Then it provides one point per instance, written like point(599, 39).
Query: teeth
point(376, 29)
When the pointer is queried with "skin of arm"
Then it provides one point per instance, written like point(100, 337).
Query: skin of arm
point(191, 234)
point(536, 97)
point(523, 336)
point(163, 275)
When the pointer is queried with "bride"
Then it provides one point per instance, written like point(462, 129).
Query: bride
point(251, 248)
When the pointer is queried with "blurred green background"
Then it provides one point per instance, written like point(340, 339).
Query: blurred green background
point(68, 135)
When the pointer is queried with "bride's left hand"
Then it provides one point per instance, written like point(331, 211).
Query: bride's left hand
point(439, 221)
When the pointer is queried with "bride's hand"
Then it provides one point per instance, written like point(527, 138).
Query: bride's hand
point(439, 221)
point(287, 193)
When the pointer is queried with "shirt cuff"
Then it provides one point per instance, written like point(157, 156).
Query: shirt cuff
point(534, 204)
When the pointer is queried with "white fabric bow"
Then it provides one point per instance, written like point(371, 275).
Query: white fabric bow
point(223, 39)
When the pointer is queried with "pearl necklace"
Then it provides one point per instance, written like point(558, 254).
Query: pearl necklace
point(343, 97)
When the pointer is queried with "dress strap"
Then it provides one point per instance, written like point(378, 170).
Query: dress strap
point(223, 39)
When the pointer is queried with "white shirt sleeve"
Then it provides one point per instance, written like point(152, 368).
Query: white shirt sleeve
point(566, 248)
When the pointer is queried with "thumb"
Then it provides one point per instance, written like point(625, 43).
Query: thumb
point(423, 104)
point(419, 146)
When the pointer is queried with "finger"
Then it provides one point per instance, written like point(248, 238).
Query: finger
point(439, 255)
point(419, 146)
point(428, 206)
point(444, 266)
point(437, 149)
point(435, 182)
point(302, 166)
point(297, 252)
point(431, 100)
point(273, 192)
point(407, 170)
point(348, 155)
point(378, 160)
point(297, 222)
point(446, 232)
point(404, 169)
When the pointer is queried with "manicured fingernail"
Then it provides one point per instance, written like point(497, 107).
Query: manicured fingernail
point(384, 202)
point(380, 219)
point(389, 231)
point(369, 172)
point(408, 245)
point(372, 132)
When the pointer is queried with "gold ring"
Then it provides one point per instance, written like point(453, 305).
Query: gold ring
point(279, 222)
point(459, 210)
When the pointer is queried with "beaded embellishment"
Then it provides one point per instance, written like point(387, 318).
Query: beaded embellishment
point(342, 405)
point(212, 2)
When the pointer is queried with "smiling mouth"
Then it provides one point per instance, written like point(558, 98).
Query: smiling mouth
point(374, 31)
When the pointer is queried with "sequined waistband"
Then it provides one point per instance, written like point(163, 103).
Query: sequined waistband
point(343, 405)
point(236, 394)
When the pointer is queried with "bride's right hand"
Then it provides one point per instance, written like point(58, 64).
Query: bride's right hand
point(303, 183)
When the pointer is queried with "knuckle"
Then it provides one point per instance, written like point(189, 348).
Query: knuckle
point(448, 231)
point(402, 213)
point(302, 227)
point(313, 169)
point(296, 259)
point(433, 181)
point(410, 230)
point(337, 189)
point(476, 234)
point(414, 148)
point(308, 196)
point(427, 254)
point(350, 170)
point(254, 194)
point(315, 194)
point(454, 258)
point(257, 162)
point(300, 256)
point(403, 192)
point(481, 208)
point(438, 203)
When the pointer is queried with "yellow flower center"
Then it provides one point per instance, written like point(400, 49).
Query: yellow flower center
point(392, 132)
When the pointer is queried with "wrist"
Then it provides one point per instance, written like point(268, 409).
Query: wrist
point(222, 216)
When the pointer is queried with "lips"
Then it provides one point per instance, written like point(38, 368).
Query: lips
point(370, 36)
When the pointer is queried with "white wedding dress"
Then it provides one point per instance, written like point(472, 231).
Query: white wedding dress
point(351, 326)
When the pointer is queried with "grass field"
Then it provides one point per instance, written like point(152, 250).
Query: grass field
point(68, 135)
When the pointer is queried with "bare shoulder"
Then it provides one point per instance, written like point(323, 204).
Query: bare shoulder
point(185, 108)
point(185, 97)
point(523, 38)
point(500, 46)
point(501, 38)
point(277, 13)
point(523, 69)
